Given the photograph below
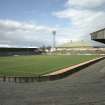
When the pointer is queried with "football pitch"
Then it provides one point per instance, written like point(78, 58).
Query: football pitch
point(38, 65)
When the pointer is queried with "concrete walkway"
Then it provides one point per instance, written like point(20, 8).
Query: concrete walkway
point(86, 87)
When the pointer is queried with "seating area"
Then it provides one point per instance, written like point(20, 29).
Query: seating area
point(81, 51)
point(19, 51)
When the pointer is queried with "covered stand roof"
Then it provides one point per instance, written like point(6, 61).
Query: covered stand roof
point(99, 36)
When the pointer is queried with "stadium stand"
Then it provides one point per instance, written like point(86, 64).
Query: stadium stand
point(99, 36)
point(19, 51)
point(79, 47)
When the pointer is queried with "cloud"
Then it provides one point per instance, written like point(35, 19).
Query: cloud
point(15, 33)
point(86, 3)
point(23, 26)
point(84, 16)
point(23, 34)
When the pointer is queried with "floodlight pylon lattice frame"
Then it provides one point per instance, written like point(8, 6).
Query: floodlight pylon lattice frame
point(54, 40)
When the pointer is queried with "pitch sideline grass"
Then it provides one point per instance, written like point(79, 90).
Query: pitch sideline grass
point(38, 65)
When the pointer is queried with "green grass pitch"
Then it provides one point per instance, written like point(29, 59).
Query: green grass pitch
point(38, 65)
